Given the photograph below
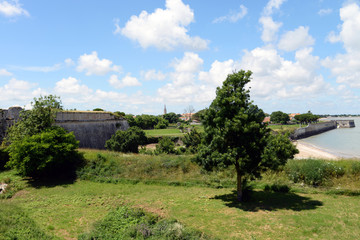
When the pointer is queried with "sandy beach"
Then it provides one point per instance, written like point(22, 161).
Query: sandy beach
point(309, 151)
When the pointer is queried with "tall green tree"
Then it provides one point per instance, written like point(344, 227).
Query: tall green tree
point(34, 121)
point(234, 133)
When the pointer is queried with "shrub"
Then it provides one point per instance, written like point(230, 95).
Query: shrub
point(165, 146)
point(126, 141)
point(355, 168)
point(4, 158)
point(313, 172)
point(277, 188)
point(51, 153)
point(98, 167)
point(127, 223)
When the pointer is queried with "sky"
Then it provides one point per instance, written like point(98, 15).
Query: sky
point(137, 56)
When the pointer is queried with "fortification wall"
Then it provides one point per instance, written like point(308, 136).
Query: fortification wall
point(91, 129)
point(313, 129)
point(345, 123)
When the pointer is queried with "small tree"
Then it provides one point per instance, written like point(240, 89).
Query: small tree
point(126, 141)
point(279, 117)
point(165, 145)
point(234, 133)
point(189, 110)
point(192, 140)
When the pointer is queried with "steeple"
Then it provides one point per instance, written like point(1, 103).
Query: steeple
point(165, 109)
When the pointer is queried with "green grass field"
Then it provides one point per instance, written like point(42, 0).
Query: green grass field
point(171, 131)
point(66, 210)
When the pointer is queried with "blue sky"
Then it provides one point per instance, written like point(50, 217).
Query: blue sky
point(135, 56)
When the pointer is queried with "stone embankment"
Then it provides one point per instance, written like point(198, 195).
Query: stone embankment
point(92, 129)
point(317, 128)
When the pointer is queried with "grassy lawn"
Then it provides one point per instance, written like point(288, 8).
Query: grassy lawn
point(65, 211)
point(283, 128)
point(171, 131)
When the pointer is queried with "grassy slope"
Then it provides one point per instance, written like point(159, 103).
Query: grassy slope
point(69, 210)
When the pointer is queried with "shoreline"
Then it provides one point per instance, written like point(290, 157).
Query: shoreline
point(307, 150)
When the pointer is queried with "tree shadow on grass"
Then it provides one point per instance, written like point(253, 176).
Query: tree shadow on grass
point(270, 201)
point(52, 182)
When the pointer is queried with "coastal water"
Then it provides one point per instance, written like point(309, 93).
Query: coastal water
point(343, 142)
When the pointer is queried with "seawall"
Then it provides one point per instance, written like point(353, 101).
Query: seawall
point(91, 129)
point(313, 129)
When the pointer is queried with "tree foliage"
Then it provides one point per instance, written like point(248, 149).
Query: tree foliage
point(51, 153)
point(98, 110)
point(171, 117)
point(279, 117)
point(192, 140)
point(234, 133)
point(145, 121)
point(34, 121)
point(165, 145)
point(126, 141)
point(307, 118)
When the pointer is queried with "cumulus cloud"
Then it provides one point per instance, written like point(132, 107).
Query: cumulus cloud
point(293, 40)
point(233, 16)
point(270, 29)
point(218, 72)
point(69, 62)
point(127, 81)
point(71, 85)
point(153, 75)
point(165, 29)
point(274, 77)
point(346, 67)
point(12, 8)
point(92, 65)
point(4, 72)
point(271, 6)
point(17, 90)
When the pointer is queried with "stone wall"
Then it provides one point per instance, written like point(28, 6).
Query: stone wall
point(92, 129)
point(345, 123)
point(313, 129)
point(7, 118)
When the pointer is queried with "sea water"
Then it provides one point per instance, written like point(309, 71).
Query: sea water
point(343, 142)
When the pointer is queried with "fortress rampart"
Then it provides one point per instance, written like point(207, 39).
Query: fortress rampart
point(91, 129)
point(313, 129)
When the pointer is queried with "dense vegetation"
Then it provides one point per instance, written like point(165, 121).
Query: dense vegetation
point(145, 121)
point(279, 117)
point(127, 141)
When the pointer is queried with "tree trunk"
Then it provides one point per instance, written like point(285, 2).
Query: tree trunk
point(238, 182)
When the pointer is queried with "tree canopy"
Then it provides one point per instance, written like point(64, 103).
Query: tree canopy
point(234, 133)
point(307, 118)
point(126, 141)
point(40, 117)
point(279, 117)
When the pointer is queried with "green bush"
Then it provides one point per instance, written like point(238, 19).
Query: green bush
point(99, 166)
point(127, 141)
point(355, 168)
point(127, 223)
point(165, 146)
point(4, 158)
point(313, 172)
point(50, 154)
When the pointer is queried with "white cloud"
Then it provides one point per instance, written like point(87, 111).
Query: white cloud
point(4, 72)
point(127, 81)
point(346, 67)
point(12, 8)
point(272, 5)
point(164, 29)
point(92, 65)
point(233, 16)
point(270, 29)
point(293, 40)
point(71, 85)
point(323, 12)
point(153, 75)
point(16, 90)
point(69, 62)
point(218, 72)
point(277, 78)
